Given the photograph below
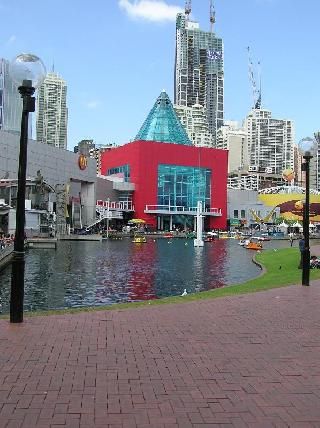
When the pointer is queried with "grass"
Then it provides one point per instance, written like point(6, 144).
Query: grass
point(280, 269)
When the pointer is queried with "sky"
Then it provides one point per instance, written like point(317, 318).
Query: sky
point(118, 55)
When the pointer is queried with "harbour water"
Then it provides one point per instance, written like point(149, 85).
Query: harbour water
point(81, 274)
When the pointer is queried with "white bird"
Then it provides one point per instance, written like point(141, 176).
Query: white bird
point(184, 292)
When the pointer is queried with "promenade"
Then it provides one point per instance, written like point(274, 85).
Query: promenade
point(245, 361)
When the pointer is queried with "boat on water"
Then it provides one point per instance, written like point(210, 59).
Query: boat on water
point(208, 239)
point(139, 239)
point(253, 244)
point(262, 238)
point(168, 235)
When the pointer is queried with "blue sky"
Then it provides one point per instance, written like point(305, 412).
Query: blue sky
point(117, 56)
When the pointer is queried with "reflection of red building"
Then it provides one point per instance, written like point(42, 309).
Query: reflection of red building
point(142, 160)
point(169, 174)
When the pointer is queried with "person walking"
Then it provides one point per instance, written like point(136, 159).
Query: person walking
point(291, 238)
point(301, 248)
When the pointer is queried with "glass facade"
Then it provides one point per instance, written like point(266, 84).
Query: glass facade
point(183, 186)
point(162, 124)
point(123, 170)
point(10, 101)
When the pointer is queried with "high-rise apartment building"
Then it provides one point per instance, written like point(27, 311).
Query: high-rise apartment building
point(234, 138)
point(52, 114)
point(194, 120)
point(199, 70)
point(10, 100)
point(270, 142)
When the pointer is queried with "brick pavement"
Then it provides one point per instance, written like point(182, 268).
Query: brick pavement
point(245, 361)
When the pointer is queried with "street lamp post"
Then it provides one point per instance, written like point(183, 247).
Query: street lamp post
point(306, 147)
point(28, 72)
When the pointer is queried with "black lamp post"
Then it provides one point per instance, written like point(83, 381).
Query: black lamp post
point(306, 146)
point(28, 72)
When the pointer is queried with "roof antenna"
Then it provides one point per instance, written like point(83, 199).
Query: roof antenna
point(212, 16)
point(187, 9)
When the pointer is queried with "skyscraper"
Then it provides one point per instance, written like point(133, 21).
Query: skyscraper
point(10, 100)
point(270, 142)
point(52, 114)
point(194, 119)
point(199, 70)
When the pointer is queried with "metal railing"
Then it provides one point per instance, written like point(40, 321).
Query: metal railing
point(115, 205)
point(179, 209)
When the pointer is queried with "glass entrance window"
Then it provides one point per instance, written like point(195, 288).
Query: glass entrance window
point(183, 186)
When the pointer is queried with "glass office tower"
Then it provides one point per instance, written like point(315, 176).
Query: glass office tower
point(10, 101)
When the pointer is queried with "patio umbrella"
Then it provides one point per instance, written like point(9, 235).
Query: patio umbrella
point(136, 221)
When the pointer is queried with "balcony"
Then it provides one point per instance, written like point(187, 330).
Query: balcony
point(181, 210)
point(123, 186)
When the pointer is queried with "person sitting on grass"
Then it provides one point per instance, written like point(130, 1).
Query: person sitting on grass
point(314, 262)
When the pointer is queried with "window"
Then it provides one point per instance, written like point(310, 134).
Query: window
point(243, 213)
point(184, 186)
point(123, 171)
point(235, 214)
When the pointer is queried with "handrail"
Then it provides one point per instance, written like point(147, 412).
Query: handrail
point(180, 208)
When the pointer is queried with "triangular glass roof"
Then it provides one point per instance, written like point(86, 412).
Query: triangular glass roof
point(162, 124)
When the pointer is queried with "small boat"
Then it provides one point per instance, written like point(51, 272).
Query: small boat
point(253, 245)
point(244, 242)
point(224, 235)
point(262, 238)
point(139, 239)
point(168, 235)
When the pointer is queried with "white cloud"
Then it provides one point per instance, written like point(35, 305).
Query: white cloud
point(92, 104)
point(150, 10)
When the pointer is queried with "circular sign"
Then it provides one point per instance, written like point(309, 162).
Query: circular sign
point(288, 175)
point(82, 162)
point(298, 205)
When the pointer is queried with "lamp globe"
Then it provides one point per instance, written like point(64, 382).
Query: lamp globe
point(27, 69)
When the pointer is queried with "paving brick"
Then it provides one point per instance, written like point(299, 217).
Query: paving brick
point(243, 361)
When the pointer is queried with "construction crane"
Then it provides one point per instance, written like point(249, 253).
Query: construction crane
point(256, 92)
point(187, 9)
point(212, 16)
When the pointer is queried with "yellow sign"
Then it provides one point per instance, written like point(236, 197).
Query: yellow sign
point(82, 162)
point(291, 205)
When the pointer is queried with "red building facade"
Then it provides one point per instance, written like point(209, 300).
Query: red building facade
point(143, 162)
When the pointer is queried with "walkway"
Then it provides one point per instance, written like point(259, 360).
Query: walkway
point(246, 361)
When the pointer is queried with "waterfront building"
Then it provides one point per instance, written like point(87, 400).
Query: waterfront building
point(233, 138)
point(199, 71)
point(169, 174)
point(194, 119)
point(52, 114)
point(10, 101)
point(244, 207)
point(59, 182)
point(270, 142)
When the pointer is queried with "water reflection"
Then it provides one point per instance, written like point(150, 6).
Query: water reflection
point(103, 273)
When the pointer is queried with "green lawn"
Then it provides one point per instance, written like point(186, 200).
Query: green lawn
point(281, 269)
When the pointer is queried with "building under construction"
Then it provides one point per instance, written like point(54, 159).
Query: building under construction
point(199, 68)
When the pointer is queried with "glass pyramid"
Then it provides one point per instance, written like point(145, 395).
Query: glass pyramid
point(162, 124)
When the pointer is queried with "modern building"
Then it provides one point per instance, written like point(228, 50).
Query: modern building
point(59, 182)
point(270, 142)
point(233, 138)
point(199, 71)
point(10, 100)
point(194, 119)
point(169, 174)
point(245, 207)
point(52, 113)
